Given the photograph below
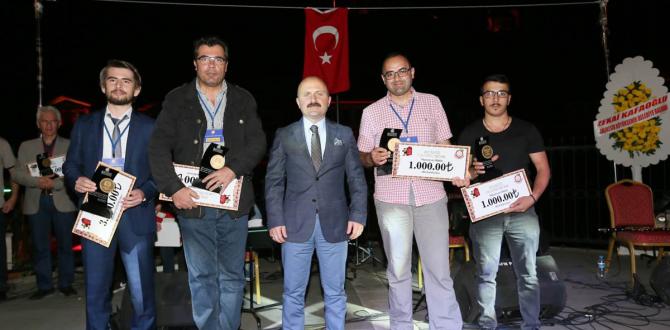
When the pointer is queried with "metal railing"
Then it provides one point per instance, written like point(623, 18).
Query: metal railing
point(574, 205)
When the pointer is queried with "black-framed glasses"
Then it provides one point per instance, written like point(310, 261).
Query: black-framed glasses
point(205, 59)
point(401, 73)
point(490, 94)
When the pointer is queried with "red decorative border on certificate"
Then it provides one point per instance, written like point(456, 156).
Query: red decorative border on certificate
point(461, 151)
point(519, 175)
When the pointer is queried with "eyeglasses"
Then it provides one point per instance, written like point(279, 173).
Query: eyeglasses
point(205, 59)
point(491, 94)
point(402, 73)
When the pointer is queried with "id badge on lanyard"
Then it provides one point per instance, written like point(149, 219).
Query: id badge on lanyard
point(405, 124)
point(214, 136)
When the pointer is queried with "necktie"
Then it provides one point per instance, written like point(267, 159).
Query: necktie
point(316, 147)
point(117, 152)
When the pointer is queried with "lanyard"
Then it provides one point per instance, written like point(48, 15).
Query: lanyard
point(206, 105)
point(118, 138)
point(405, 123)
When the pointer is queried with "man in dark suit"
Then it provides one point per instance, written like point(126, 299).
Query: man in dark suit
point(210, 110)
point(48, 206)
point(310, 161)
point(120, 136)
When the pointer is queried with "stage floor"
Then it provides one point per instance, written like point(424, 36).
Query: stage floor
point(591, 304)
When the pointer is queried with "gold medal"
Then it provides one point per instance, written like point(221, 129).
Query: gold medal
point(217, 161)
point(107, 185)
point(487, 152)
point(46, 162)
point(392, 144)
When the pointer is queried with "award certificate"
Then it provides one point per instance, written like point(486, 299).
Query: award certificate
point(101, 211)
point(228, 199)
point(56, 164)
point(493, 197)
point(440, 162)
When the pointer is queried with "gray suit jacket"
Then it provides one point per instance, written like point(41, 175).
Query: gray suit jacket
point(31, 203)
point(295, 191)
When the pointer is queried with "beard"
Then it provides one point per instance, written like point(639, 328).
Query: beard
point(120, 99)
point(400, 89)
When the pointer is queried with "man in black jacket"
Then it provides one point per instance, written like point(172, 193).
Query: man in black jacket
point(205, 111)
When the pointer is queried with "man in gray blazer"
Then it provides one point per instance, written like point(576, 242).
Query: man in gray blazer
point(310, 161)
point(47, 205)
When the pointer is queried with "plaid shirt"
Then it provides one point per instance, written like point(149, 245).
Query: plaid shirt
point(428, 123)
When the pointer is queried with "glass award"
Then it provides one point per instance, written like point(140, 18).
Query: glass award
point(213, 160)
point(44, 164)
point(389, 139)
point(484, 153)
point(97, 202)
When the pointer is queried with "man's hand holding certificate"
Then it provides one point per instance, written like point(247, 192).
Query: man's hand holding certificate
point(46, 166)
point(431, 161)
point(101, 211)
point(493, 197)
point(227, 198)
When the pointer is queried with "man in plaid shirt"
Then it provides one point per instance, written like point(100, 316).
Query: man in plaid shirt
point(410, 206)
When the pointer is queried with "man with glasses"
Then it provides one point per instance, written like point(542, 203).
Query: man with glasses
point(118, 136)
point(407, 207)
point(47, 205)
point(516, 144)
point(210, 110)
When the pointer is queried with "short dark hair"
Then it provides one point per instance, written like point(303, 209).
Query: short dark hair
point(395, 54)
point(123, 65)
point(497, 77)
point(210, 41)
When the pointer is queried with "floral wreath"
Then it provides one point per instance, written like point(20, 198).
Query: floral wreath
point(634, 82)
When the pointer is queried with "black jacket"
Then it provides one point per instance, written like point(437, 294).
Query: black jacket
point(178, 135)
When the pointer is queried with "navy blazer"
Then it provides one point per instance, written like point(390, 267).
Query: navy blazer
point(295, 191)
point(86, 143)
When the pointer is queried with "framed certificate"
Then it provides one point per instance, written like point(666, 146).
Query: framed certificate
point(430, 161)
point(101, 211)
point(227, 199)
point(56, 164)
point(493, 197)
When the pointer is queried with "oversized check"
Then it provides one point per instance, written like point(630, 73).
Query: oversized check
point(493, 197)
point(96, 227)
point(430, 161)
point(228, 199)
point(56, 166)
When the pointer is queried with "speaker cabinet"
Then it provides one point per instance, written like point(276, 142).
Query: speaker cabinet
point(660, 280)
point(173, 302)
point(553, 294)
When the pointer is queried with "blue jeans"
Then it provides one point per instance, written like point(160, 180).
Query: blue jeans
point(214, 247)
point(137, 255)
point(522, 232)
point(3, 253)
point(297, 261)
point(41, 224)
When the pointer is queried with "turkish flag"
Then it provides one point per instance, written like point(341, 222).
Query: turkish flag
point(327, 47)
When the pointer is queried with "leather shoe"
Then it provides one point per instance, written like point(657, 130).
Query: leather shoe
point(68, 291)
point(41, 294)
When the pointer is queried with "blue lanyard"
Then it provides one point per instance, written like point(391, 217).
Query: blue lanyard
point(118, 138)
point(218, 107)
point(405, 123)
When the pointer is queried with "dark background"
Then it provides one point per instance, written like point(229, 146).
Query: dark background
point(553, 55)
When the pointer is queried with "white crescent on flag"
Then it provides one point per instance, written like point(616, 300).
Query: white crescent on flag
point(325, 29)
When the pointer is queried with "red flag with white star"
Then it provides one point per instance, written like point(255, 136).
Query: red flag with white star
point(327, 47)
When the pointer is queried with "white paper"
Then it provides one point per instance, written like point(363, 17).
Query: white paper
point(430, 161)
point(228, 199)
point(100, 229)
point(493, 197)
